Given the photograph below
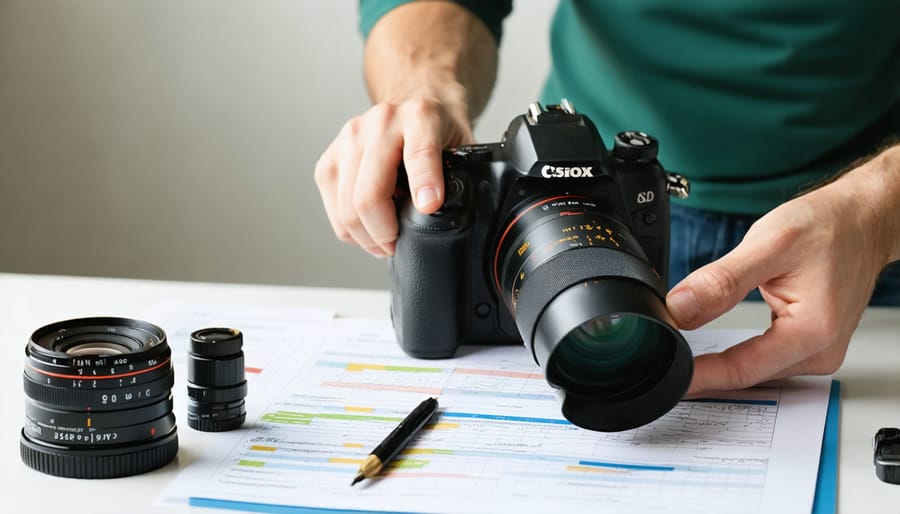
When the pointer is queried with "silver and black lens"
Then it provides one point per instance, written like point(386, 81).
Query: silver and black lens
point(216, 384)
point(98, 399)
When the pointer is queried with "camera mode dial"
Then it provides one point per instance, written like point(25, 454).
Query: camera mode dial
point(634, 146)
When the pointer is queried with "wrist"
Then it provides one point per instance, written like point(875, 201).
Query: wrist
point(872, 191)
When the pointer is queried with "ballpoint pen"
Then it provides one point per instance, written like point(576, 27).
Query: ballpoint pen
point(396, 440)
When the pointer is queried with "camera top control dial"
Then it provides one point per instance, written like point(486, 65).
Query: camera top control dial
point(634, 146)
point(473, 152)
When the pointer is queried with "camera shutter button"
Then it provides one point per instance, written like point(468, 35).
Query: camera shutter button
point(474, 152)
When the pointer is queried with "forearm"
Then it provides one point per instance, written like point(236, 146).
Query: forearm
point(886, 184)
point(873, 190)
point(432, 49)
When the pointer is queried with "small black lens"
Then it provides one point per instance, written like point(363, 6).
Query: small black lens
point(98, 399)
point(216, 384)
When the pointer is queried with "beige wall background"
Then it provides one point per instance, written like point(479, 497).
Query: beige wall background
point(175, 139)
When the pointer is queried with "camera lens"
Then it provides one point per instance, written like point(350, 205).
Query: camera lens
point(98, 399)
point(611, 354)
point(216, 384)
point(591, 310)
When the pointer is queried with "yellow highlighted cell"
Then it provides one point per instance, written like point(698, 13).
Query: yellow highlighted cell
point(345, 460)
point(351, 408)
point(590, 469)
point(362, 367)
point(443, 426)
point(261, 448)
point(352, 445)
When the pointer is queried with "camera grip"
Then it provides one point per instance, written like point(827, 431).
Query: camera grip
point(428, 291)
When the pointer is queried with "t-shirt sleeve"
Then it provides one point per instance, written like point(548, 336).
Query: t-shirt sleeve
point(490, 12)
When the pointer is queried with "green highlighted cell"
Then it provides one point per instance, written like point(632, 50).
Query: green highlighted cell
point(305, 418)
point(251, 463)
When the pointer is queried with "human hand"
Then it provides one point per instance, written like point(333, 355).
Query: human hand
point(357, 174)
point(815, 260)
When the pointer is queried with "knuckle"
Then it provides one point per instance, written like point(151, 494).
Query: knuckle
point(719, 281)
point(421, 151)
point(324, 172)
point(349, 219)
point(343, 235)
point(786, 236)
point(365, 202)
point(352, 128)
point(422, 107)
point(380, 115)
point(738, 377)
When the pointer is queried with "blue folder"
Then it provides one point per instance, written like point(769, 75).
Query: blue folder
point(824, 501)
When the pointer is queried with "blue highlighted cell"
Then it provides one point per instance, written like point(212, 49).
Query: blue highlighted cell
point(619, 465)
point(521, 419)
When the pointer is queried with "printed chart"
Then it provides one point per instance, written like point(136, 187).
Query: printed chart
point(500, 442)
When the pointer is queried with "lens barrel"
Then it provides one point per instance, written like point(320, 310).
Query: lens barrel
point(591, 310)
point(98, 399)
point(216, 384)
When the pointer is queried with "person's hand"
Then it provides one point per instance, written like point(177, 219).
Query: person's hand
point(815, 260)
point(357, 174)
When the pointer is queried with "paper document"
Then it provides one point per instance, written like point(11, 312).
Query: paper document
point(500, 443)
point(272, 332)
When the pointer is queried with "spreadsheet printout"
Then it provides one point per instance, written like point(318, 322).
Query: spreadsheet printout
point(500, 441)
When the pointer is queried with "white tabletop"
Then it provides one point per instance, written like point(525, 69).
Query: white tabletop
point(870, 379)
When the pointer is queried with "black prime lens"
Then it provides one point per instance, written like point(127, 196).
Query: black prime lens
point(98, 399)
point(591, 309)
point(216, 385)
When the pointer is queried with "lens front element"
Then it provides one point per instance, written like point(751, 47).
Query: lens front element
point(611, 354)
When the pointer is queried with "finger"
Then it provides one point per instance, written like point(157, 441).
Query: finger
point(348, 165)
point(423, 140)
point(785, 344)
point(715, 288)
point(326, 180)
point(373, 196)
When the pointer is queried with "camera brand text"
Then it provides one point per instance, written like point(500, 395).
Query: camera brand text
point(566, 172)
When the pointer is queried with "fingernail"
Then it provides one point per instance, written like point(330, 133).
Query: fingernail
point(683, 306)
point(376, 252)
point(425, 196)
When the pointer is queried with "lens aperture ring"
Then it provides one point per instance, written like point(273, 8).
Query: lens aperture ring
point(98, 462)
point(100, 436)
point(216, 372)
point(47, 415)
point(216, 417)
point(100, 399)
point(205, 394)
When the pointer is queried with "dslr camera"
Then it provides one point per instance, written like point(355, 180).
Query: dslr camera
point(549, 239)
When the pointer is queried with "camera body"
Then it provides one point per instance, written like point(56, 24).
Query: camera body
point(456, 274)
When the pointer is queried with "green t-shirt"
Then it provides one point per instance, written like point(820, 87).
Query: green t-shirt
point(752, 100)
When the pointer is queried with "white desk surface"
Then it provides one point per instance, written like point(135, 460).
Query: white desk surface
point(870, 379)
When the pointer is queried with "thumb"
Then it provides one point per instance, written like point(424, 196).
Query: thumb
point(714, 289)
